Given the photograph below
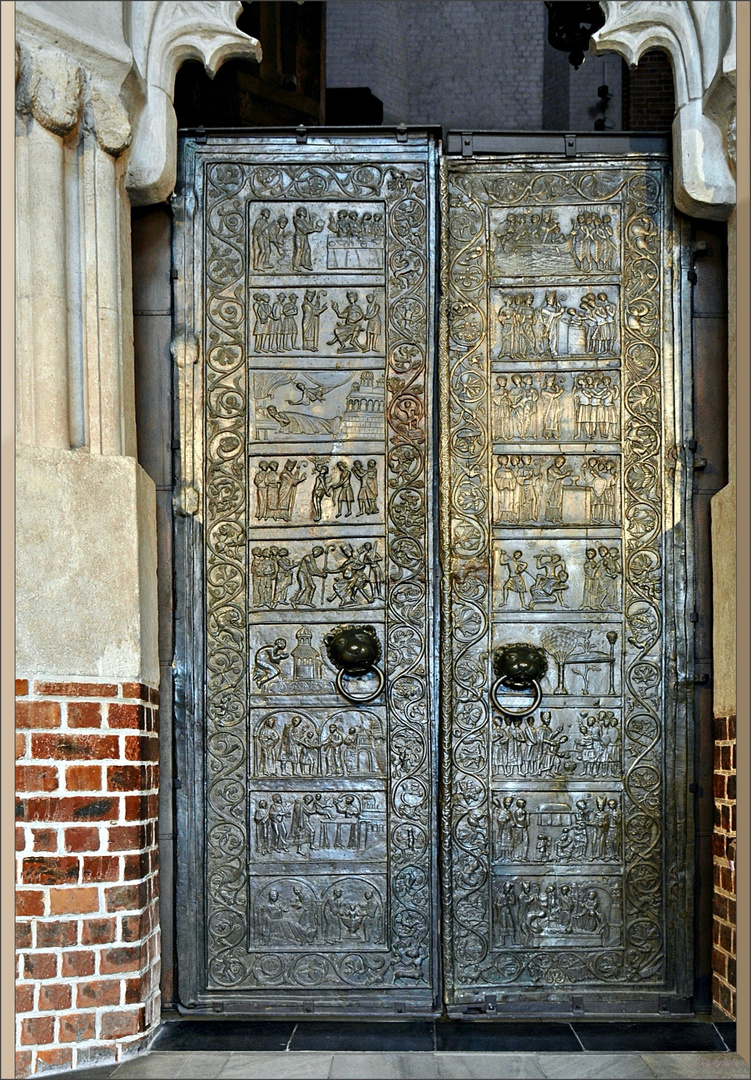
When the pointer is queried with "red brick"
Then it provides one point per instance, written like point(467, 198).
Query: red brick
point(37, 714)
point(39, 966)
point(141, 748)
point(154, 696)
point(75, 747)
point(127, 837)
point(731, 728)
point(84, 714)
point(73, 901)
point(126, 897)
point(725, 757)
point(23, 1062)
point(134, 927)
point(718, 786)
point(75, 808)
point(732, 971)
point(134, 690)
point(124, 716)
point(20, 745)
point(82, 839)
point(90, 995)
point(45, 839)
point(100, 868)
point(37, 1029)
point(730, 785)
point(20, 839)
point(98, 931)
point(719, 962)
point(718, 845)
point(29, 902)
point(24, 997)
point(83, 777)
point(114, 961)
point(126, 778)
point(54, 996)
point(80, 962)
point(141, 807)
point(36, 778)
point(23, 935)
point(727, 880)
point(77, 1027)
point(58, 933)
point(59, 1058)
point(22, 687)
point(75, 689)
point(136, 866)
point(720, 728)
point(118, 1025)
point(56, 870)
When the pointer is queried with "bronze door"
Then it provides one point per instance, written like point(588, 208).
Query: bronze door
point(305, 302)
point(565, 541)
point(321, 786)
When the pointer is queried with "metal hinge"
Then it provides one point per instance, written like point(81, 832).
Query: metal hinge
point(468, 144)
point(401, 133)
point(201, 134)
point(571, 146)
point(301, 135)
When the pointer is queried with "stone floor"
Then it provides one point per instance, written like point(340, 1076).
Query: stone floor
point(206, 1048)
point(197, 1065)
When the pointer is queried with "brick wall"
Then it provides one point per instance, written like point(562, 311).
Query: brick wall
point(651, 97)
point(87, 873)
point(723, 851)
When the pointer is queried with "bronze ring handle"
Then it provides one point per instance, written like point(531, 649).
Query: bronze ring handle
point(355, 651)
point(518, 667)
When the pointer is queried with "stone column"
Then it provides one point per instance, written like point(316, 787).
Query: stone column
point(95, 131)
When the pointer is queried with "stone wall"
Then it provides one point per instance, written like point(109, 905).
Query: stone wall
point(86, 871)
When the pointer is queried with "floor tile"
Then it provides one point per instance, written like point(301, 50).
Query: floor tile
point(150, 1067)
point(505, 1036)
point(200, 1064)
point(386, 1066)
point(276, 1066)
point(490, 1066)
point(726, 1029)
point(617, 1036)
point(95, 1072)
point(725, 1066)
point(592, 1066)
point(335, 1035)
point(229, 1035)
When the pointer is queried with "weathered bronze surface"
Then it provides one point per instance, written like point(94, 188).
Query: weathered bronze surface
point(305, 372)
point(564, 527)
point(314, 799)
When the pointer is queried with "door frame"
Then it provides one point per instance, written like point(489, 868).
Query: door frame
point(157, 449)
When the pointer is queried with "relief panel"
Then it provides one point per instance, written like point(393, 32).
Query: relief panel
point(561, 499)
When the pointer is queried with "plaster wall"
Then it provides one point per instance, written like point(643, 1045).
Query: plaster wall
point(85, 566)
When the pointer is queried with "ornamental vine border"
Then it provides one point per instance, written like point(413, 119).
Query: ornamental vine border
point(229, 186)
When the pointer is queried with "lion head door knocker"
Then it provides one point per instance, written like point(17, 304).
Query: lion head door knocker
point(355, 651)
point(517, 669)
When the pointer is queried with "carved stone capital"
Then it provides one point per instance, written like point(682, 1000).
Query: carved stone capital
point(108, 120)
point(50, 87)
point(699, 38)
point(164, 36)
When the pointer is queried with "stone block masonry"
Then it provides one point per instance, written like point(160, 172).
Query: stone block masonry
point(723, 853)
point(87, 928)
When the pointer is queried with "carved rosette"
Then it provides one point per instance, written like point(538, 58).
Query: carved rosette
point(406, 957)
point(637, 894)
